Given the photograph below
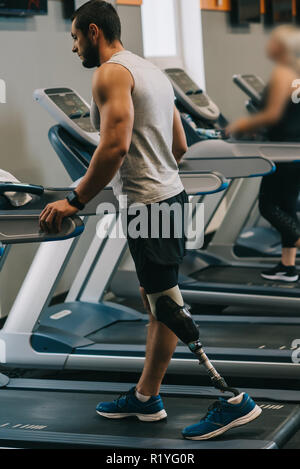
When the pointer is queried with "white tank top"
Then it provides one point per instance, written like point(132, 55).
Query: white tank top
point(150, 172)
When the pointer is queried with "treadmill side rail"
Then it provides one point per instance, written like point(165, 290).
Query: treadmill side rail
point(21, 228)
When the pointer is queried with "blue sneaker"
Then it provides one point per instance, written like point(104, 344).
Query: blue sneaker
point(221, 416)
point(127, 405)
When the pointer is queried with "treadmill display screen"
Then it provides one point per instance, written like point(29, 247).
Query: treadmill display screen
point(254, 83)
point(190, 88)
point(74, 108)
point(245, 11)
point(183, 80)
point(23, 7)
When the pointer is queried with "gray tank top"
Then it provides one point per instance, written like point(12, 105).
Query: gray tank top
point(149, 173)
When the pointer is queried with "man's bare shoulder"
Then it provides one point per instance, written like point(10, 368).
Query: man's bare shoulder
point(111, 75)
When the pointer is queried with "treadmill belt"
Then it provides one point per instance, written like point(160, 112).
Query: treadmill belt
point(48, 419)
point(241, 276)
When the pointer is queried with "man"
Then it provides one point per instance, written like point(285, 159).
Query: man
point(142, 141)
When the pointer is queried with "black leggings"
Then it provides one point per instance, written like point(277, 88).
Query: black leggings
point(278, 199)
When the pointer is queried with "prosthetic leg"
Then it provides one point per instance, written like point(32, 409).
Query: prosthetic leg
point(178, 319)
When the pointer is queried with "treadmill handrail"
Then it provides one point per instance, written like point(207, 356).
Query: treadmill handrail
point(219, 181)
point(21, 187)
point(20, 228)
point(50, 195)
point(64, 144)
point(212, 182)
point(228, 158)
point(283, 152)
point(270, 151)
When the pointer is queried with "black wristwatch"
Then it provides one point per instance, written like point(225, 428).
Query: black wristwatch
point(73, 200)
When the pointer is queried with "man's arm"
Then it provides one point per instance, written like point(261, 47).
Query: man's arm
point(179, 139)
point(112, 88)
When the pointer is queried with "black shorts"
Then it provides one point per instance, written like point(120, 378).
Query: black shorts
point(157, 257)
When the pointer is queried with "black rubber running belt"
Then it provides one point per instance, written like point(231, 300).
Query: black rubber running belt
point(41, 416)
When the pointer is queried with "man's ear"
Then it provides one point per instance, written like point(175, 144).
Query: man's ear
point(94, 32)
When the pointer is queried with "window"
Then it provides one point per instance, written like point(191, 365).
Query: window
point(159, 30)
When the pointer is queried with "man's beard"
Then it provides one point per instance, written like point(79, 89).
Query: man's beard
point(91, 57)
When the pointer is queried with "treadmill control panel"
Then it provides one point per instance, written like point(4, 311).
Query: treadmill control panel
point(194, 99)
point(252, 85)
point(71, 104)
point(70, 110)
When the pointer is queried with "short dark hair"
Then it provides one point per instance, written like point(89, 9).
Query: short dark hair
point(101, 13)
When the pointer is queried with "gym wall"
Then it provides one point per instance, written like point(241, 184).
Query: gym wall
point(36, 52)
point(229, 50)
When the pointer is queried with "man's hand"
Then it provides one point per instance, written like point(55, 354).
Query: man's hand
point(53, 214)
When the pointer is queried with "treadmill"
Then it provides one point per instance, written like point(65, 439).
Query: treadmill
point(258, 238)
point(60, 414)
point(89, 332)
point(38, 413)
point(217, 275)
